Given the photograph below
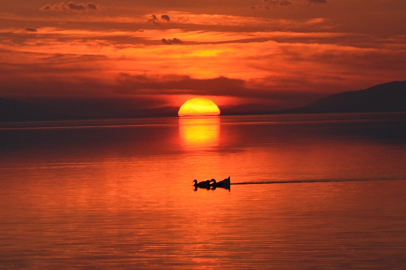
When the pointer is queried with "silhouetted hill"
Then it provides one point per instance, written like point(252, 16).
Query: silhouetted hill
point(13, 110)
point(388, 97)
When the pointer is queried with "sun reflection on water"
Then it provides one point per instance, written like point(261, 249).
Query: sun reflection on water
point(199, 133)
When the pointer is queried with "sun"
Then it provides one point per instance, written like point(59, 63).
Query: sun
point(199, 107)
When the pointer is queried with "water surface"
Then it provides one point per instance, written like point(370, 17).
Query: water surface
point(117, 194)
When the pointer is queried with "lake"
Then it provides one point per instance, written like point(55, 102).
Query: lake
point(322, 191)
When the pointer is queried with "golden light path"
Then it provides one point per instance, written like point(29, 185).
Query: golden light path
point(198, 107)
point(199, 133)
point(199, 124)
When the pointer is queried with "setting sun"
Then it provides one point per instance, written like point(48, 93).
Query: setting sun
point(198, 107)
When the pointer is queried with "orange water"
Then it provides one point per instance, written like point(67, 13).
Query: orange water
point(118, 194)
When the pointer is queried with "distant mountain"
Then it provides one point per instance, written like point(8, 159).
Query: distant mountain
point(388, 97)
point(13, 110)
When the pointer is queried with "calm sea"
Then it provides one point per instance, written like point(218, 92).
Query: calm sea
point(308, 192)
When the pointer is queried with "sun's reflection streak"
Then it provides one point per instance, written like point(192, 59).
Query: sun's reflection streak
point(199, 133)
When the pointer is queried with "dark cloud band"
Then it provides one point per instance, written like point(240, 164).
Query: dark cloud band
point(80, 7)
point(171, 41)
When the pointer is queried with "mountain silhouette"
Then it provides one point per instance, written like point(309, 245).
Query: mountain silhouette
point(388, 97)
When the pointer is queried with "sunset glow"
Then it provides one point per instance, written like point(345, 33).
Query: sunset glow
point(231, 134)
point(199, 107)
point(134, 58)
point(199, 133)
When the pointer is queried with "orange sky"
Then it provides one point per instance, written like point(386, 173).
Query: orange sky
point(147, 58)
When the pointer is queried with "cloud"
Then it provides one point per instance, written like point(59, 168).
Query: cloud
point(30, 29)
point(140, 85)
point(91, 6)
point(154, 19)
point(285, 3)
point(80, 7)
point(172, 41)
point(266, 4)
point(317, 1)
point(165, 18)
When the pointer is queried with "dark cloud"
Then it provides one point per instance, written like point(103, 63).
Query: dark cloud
point(46, 7)
point(267, 4)
point(139, 84)
point(154, 19)
point(220, 86)
point(80, 7)
point(151, 90)
point(91, 6)
point(165, 18)
point(317, 1)
point(172, 41)
point(30, 29)
point(285, 3)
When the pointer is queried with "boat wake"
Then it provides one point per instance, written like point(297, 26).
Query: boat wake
point(317, 181)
